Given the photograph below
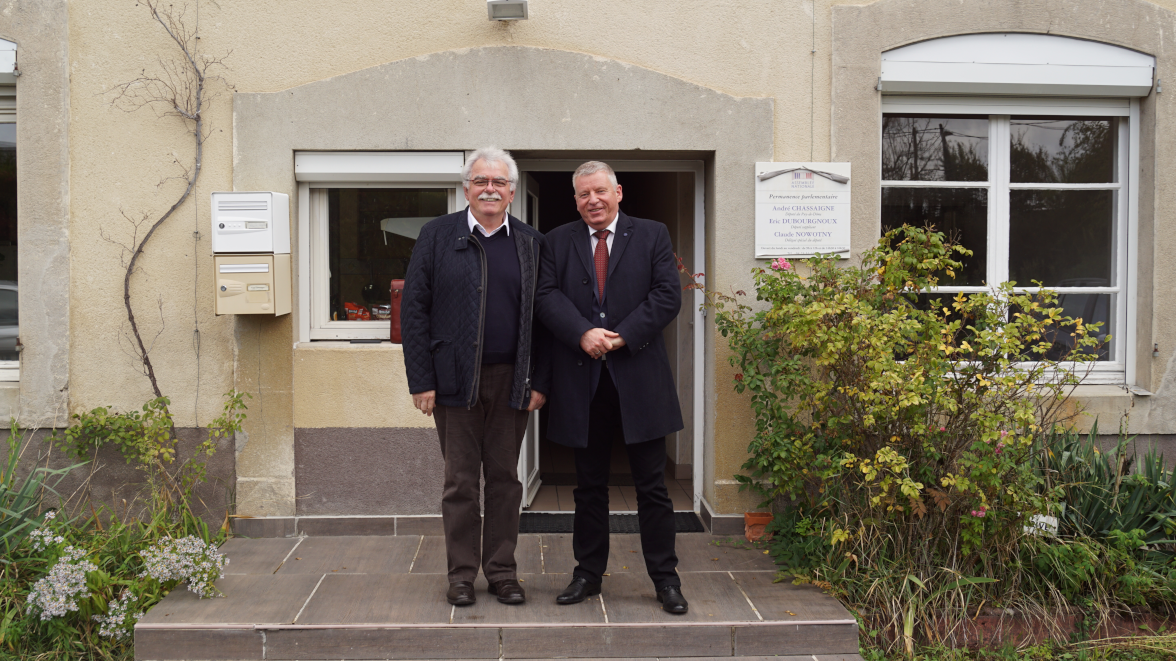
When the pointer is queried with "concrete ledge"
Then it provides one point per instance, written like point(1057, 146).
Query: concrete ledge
point(335, 526)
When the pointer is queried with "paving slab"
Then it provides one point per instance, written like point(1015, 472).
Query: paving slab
point(352, 555)
point(790, 639)
point(378, 599)
point(557, 554)
point(323, 644)
point(204, 644)
point(713, 597)
point(256, 556)
point(606, 642)
point(431, 559)
point(624, 554)
point(266, 599)
point(540, 607)
point(430, 556)
point(698, 552)
point(802, 657)
point(785, 601)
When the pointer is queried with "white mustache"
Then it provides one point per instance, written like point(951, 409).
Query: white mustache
point(490, 197)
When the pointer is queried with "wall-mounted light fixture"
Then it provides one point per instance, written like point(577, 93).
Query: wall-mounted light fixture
point(507, 10)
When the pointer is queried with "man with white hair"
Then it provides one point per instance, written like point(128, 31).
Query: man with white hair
point(477, 363)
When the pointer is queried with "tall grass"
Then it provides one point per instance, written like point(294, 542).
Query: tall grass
point(20, 499)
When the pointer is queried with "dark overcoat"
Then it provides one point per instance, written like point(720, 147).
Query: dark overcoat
point(643, 295)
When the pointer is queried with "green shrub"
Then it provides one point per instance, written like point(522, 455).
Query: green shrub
point(148, 440)
point(900, 428)
point(903, 422)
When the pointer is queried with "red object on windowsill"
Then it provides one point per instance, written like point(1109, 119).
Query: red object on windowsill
point(356, 312)
point(397, 295)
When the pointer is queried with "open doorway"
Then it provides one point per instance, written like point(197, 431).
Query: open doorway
point(671, 197)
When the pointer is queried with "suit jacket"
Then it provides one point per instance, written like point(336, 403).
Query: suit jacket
point(642, 296)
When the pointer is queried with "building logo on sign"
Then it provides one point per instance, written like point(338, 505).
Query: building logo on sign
point(803, 180)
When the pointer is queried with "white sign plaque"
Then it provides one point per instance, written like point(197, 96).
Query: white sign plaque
point(801, 209)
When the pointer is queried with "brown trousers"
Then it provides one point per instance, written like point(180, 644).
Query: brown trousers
point(484, 439)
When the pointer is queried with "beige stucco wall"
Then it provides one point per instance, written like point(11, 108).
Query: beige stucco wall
point(781, 52)
point(342, 385)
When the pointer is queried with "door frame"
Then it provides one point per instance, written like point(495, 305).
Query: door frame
point(697, 167)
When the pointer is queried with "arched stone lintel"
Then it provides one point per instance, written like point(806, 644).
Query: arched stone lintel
point(516, 97)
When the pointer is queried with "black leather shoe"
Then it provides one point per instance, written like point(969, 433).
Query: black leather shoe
point(578, 590)
point(672, 600)
point(508, 590)
point(461, 593)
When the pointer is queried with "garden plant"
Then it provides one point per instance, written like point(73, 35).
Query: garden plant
point(74, 588)
point(913, 446)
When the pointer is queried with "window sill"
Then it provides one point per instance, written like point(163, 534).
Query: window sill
point(1093, 391)
point(346, 345)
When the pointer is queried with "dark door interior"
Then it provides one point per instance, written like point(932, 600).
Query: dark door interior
point(643, 192)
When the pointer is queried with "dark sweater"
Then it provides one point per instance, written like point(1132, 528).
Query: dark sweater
point(500, 336)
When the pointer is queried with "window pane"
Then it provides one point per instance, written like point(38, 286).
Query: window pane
point(1063, 238)
point(1063, 151)
point(960, 213)
point(372, 232)
point(8, 321)
point(1090, 308)
point(934, 148)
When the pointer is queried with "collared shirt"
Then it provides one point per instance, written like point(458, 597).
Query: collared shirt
point(612, 231)
point(505, 224)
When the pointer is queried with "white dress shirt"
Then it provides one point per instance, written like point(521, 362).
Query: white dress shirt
point(612, 231)
point(505, 225)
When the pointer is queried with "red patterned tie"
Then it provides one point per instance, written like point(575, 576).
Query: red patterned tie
point(601, 259)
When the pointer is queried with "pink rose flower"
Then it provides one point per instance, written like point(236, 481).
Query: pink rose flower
point(781, 264)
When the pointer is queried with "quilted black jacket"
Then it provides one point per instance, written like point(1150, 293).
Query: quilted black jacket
point(444, 308)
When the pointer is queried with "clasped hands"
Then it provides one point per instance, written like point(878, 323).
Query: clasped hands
point(597, 341)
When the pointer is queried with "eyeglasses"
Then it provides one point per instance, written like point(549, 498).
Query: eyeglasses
point(482, 182)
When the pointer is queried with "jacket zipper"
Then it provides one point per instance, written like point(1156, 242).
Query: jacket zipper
point(534, 287)
point(481, 327)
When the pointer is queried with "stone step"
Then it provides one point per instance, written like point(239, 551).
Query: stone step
point(383, 597)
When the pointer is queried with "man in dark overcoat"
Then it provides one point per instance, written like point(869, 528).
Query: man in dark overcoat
point(608, 286)
point(476, 361)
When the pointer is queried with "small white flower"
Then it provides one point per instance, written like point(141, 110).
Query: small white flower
point(188, 559)
point(118, 620)
point(42, 538)
point(58, 593)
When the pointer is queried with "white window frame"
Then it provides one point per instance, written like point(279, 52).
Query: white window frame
point(1121, 369)
point(317, 172)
